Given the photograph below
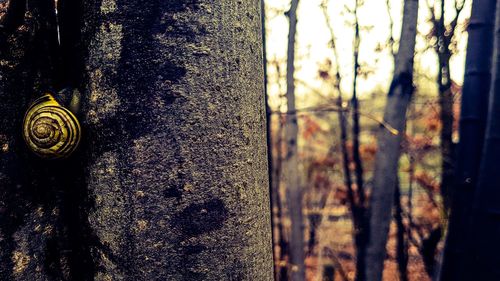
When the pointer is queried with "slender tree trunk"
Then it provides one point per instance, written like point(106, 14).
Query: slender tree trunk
point(343, 138)
point(444, 35)
point(170, 182)
point(446, 135)
point(356, 197)
point(356, 155)
point(486, 201)
point(456, 261)
point(387, 158)
point(282, 274)
point(359, 210)
point(402, 242)
point(281, 270)
point(293, 176)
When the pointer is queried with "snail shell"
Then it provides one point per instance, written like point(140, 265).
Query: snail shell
point(50, 130)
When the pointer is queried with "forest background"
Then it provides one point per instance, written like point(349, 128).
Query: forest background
point(344, 57)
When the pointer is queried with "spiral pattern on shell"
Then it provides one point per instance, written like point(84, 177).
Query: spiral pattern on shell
point(50, 130)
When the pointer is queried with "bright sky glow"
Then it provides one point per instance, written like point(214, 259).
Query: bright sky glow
point(313, 48)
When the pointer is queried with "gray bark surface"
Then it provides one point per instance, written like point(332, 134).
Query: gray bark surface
point(293, 177)
point(387, 157)
point(170, 182)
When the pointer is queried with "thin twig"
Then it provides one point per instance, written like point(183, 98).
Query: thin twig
point(335, 108)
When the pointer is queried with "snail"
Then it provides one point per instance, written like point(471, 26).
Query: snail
point(50, 130)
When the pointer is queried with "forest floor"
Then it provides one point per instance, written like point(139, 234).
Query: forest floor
point(334, 236)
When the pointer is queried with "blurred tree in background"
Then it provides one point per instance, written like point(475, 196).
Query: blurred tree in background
point(345, 54)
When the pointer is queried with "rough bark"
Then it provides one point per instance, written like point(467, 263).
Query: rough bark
point(170, 182)
point(293, 176)
point(387, 157)
point(39, 219)
point(486, 201)
point(474, 107)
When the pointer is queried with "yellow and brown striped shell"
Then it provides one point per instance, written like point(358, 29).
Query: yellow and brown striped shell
point(50, 130)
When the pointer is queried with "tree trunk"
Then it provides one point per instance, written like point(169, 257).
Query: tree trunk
point(170, 181)
point(356, 155)
point(356, 198)
point(446, 116)
point(444, 35)
point(402, 241)
point(281, 271)
point(486, 202)
point(360, 233)
point(387, 158)
point(292, 172)
point(456, 263)
point(282, 242)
